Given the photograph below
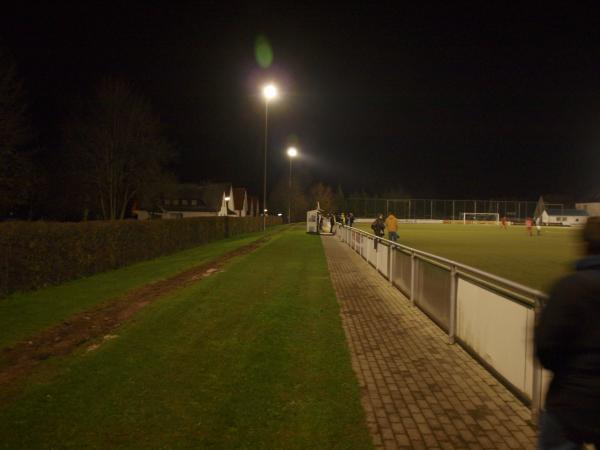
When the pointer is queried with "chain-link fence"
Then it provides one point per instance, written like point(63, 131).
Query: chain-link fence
point(418, 208)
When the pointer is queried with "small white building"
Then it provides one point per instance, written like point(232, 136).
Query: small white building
point(592, 208)
point(566, 217)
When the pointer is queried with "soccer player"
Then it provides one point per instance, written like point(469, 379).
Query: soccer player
point(503, 222)
point(528, 224)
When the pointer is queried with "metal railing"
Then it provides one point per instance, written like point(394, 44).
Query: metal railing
point(490, 316)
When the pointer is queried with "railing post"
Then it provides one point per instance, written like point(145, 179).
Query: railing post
point(536, 395)
point(453, 289)
point(390, 263)
point(413, 262)
point(377, 255)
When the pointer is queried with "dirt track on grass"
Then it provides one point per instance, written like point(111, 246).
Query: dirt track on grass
point(87, 327)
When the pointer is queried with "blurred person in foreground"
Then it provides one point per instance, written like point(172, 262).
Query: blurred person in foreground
point(567, 341)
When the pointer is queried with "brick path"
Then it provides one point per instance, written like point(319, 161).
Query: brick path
point(418, 392)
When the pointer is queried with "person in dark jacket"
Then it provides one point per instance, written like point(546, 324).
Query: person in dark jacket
point(351, 219)
point(567, 340)
point(378, 226)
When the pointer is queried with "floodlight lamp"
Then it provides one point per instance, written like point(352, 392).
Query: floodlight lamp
point(269, 92)
point(292, 152)
point(265, 210)
point(279, 214)
point(227, 198)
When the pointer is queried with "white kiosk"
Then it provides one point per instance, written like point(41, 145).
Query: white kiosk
point(318, 222)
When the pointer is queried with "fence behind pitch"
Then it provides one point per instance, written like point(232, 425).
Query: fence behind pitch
point(415, 208)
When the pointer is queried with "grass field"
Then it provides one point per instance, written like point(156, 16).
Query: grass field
point(533, 261)
point(251, 357)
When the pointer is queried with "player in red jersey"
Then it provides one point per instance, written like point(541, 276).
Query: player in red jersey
point(528, 224)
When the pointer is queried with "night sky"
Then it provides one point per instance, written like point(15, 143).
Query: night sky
point(432, 100)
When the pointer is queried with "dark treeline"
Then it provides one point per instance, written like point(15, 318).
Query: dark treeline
point(112, 152)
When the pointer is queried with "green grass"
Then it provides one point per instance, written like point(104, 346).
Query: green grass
point(25, 314)
point(533, 261)
point(252, 357)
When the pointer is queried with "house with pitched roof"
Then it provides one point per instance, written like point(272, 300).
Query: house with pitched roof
point(210, 199)
point(191, 200)
point(240, 202)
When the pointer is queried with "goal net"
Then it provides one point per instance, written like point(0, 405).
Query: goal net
point(480, 217)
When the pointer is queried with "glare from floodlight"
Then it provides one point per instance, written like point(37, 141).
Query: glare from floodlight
point(269, 92)
point(292, 152)
point(266, 209)
point(227, 199)
point(279, 214)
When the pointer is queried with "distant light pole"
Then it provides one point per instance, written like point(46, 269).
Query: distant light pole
point(292, 152)
point(269, 93)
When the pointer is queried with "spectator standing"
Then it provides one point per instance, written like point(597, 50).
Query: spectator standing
point(378, 226)
point(391, 223)
point(351, 217)
point(567, 340)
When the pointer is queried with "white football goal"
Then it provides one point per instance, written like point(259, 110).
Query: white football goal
point(480, 217)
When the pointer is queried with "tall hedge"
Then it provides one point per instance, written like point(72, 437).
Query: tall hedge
point(37, 254)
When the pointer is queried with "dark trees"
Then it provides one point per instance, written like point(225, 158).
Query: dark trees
point(16, 170)
point(283, 198)
point(117, 149)
point(323, 194)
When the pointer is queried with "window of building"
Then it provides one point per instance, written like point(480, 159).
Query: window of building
point(184, 202)
point(194, 202)
point(176, 202)
point(167, 201)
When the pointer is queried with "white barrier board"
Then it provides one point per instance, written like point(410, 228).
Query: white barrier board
point(499, 331)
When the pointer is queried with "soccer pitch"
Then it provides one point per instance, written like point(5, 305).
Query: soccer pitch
point(535, 261)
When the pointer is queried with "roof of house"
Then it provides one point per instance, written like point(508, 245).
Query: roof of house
point(238, 197)
point(208, 197)
point(567, 212)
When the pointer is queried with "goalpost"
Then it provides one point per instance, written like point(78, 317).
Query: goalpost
point(481, 217)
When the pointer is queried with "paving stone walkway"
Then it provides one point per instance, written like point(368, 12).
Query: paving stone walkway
point(418, 392)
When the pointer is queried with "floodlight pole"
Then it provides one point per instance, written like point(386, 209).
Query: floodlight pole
point(265, 172)
point(290, 195)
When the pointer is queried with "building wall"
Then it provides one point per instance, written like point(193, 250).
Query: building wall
point(563, 220)
point(593, 209)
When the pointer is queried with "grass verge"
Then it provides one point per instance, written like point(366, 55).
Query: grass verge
point(252, 357)
point(25, 314)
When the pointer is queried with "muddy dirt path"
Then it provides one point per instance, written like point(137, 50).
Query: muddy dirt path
point(87, 327)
